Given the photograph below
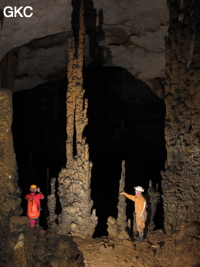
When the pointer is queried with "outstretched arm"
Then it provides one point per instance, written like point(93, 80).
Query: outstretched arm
point(131, 197)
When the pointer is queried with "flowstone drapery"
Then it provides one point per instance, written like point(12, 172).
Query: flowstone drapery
point(181, 179)
point(74, 180)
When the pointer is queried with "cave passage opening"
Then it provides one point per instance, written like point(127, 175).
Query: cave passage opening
point(125, 122)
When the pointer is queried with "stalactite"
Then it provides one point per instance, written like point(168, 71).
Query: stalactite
point(9, 66)
point(74, 180)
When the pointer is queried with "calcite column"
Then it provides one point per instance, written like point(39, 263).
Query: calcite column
point(74, 180)
point(118, 226)
point(10, 193)
point(52, 205)
point(181, 179)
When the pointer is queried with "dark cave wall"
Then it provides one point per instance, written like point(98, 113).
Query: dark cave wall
point(181, 179)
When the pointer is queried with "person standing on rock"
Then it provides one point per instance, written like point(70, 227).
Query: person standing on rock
point(34, 205)
point(140, 210)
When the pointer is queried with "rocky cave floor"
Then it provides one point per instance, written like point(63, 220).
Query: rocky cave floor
point(44, 248)
point(178, 249)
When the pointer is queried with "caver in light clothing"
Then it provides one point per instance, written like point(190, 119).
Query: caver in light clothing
point(140, 210)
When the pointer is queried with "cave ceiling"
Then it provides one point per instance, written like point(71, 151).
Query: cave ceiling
point(127, 34)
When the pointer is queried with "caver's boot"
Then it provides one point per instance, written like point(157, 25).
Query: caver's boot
point(140, 238)
point(136, 237)
point(37, 223)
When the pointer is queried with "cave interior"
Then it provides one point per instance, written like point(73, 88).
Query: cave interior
point(122, 126)
point(126, 121)
point(98, 97)
point(130, 115)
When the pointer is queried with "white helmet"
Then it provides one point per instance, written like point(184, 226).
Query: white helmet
point(139, 188)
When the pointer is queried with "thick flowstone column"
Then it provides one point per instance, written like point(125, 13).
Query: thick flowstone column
point(181, 179)
point(9, 199)
point(74, 180)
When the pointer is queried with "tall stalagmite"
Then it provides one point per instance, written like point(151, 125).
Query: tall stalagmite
point(181, 179)
point(118, 227)
point(74, 180)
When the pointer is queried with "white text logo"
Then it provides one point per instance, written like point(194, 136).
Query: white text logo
point(21, 11)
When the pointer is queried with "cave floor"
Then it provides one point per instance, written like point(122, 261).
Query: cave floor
point(178, 249)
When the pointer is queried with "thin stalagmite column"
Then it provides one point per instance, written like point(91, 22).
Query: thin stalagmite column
point(70, 102)
point(52, 204)
point(118, 227)
point(74, 180)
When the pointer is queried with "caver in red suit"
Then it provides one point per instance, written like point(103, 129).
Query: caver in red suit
point(37, 196)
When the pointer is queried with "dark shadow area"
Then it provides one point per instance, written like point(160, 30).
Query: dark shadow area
point(126, 122)
point(39, 135)
point(159, 216)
